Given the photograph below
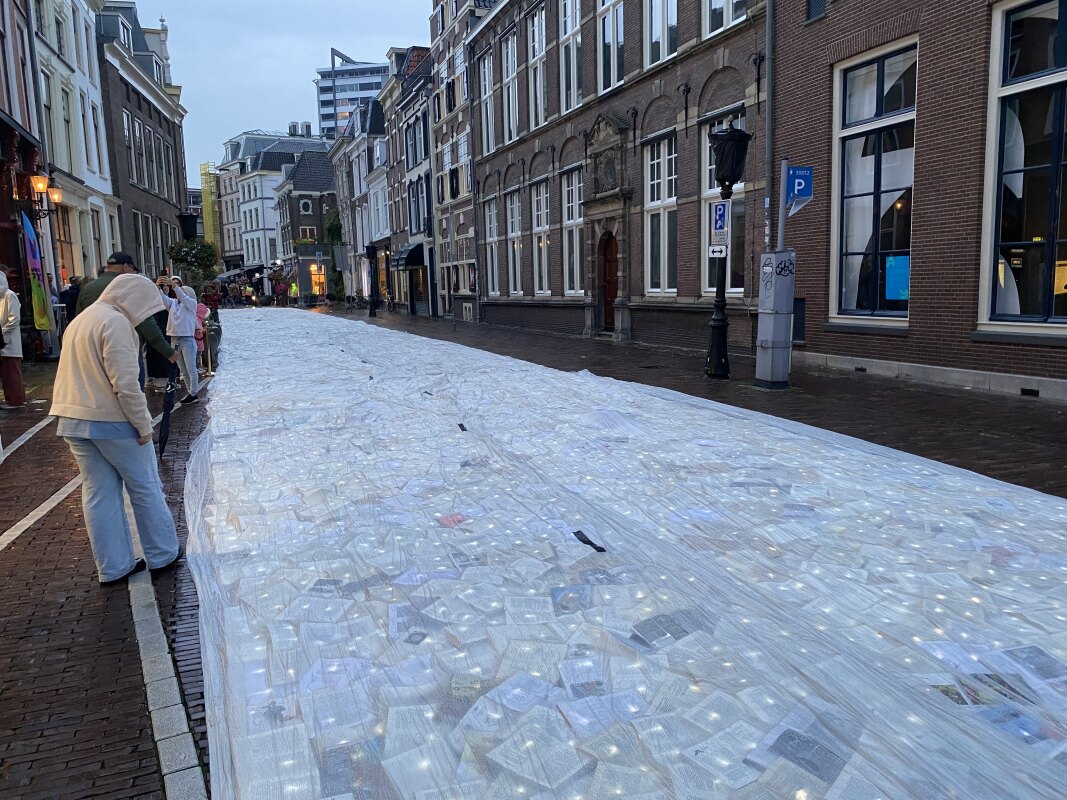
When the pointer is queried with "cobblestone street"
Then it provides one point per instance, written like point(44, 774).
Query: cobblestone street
point(74, 709)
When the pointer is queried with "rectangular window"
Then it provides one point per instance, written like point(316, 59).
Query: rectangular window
point(488, 121)
point(711, 193)
point(79, 52)
point(150, 160)
point(541, 241)
point(535, 66)
point(98, 137)
point(509, 56)
point(87, 137)
point(661, 216)
point(570, 55)
point(68, 127)
point(573, 232)
point(876, 141)
point(492, 236)
point(46, 103)
point(720, 14)
point(126, 34)
point(308, 233)
point(610, 35)
point(661, 30)
point(514, 244)
point(61, 38)
point(816, 8)
point(140, 175)
point(1029, 277)
point(90, 51)
point(113, 234)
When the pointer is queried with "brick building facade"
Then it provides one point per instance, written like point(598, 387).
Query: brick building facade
point(146, 147)
point(452, 154)
point(933, 246)
point(594, 181)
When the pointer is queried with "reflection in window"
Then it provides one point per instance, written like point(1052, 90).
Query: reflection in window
point(878, 164)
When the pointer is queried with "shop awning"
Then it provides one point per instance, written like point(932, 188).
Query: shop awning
point(410, 257)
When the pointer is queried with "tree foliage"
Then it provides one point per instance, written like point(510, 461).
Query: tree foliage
point(196, 260)
point(333, 235)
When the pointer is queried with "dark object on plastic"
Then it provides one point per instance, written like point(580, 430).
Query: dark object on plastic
point(581, 537)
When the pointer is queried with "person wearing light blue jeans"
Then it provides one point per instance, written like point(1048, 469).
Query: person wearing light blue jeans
point(180, 301)
point(104, 419)
point(110, 458)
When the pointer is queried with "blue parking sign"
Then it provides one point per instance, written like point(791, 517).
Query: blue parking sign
point(720, 222)
point(799, 188)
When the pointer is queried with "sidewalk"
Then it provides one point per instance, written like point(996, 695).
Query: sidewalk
point(1019, 440)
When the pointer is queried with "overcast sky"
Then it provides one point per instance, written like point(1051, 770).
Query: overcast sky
point(246, 64)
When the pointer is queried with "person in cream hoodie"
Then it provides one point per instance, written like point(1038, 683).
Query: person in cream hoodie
point(103, 416)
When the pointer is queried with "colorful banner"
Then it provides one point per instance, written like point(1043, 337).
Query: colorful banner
point(38, 294)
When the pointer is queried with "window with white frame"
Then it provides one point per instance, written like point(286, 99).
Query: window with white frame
point(488, 119)
point(509, 56)
point(661, 30)
point(541, 241)
point(570, 55)
point(711, 194)
point(86, 133)
point(535, 65)
point(720, 14)
point(610, 36)
point(1029, 263)
point(876, 146)
point(98, 138)
point(661, 216)
point(573, 231)
point(513, 213)
point(126, 34)
point(492, 236)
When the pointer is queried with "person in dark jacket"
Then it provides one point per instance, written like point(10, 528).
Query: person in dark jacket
point(120, 263)
point(69, 298)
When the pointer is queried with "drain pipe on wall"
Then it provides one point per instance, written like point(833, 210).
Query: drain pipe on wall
point(768, 156)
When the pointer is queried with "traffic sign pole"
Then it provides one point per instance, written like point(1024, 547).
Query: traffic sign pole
point(782, 190)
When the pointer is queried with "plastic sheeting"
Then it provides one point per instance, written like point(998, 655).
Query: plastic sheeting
point(429, 572)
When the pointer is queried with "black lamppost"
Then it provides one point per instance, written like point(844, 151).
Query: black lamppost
point(372, 261)
point(731, 148)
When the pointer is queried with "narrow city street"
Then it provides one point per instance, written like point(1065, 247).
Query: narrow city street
point(469, 540)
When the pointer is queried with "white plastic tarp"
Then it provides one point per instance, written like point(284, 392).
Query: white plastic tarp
point(428, 572)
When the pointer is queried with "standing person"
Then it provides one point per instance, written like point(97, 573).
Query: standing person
point(11, 352)
point(69, 298)
point(248, 295)
point(281, 291)
point(235, 294)
point(119, 263)
point(202, 312)
point(180, 301)
point(212, 298)
point(103, 416)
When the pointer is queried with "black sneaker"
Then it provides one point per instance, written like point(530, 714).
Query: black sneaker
point(189, 400)
point(172, 564)
point(138, 566)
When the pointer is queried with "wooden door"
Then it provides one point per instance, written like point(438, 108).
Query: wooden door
point(609, 270)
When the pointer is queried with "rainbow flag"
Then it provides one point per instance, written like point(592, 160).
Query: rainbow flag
point(41, 317)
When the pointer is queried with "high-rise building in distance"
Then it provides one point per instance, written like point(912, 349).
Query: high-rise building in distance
point(343, 86)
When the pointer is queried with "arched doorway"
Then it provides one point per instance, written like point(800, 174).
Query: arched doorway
point(609, 279)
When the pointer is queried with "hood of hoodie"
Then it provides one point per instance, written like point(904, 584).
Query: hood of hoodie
point(135, 297)
point(4, 287)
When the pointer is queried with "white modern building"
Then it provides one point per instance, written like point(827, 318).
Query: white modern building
point(257, 185)
point(343, 86)
point(86, 225)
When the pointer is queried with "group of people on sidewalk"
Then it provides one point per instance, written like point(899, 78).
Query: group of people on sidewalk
point(100, 404)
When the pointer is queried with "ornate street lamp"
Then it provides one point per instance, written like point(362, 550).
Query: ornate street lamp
point(731, 148)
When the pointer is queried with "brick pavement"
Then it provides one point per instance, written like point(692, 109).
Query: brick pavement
point(73, 715)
